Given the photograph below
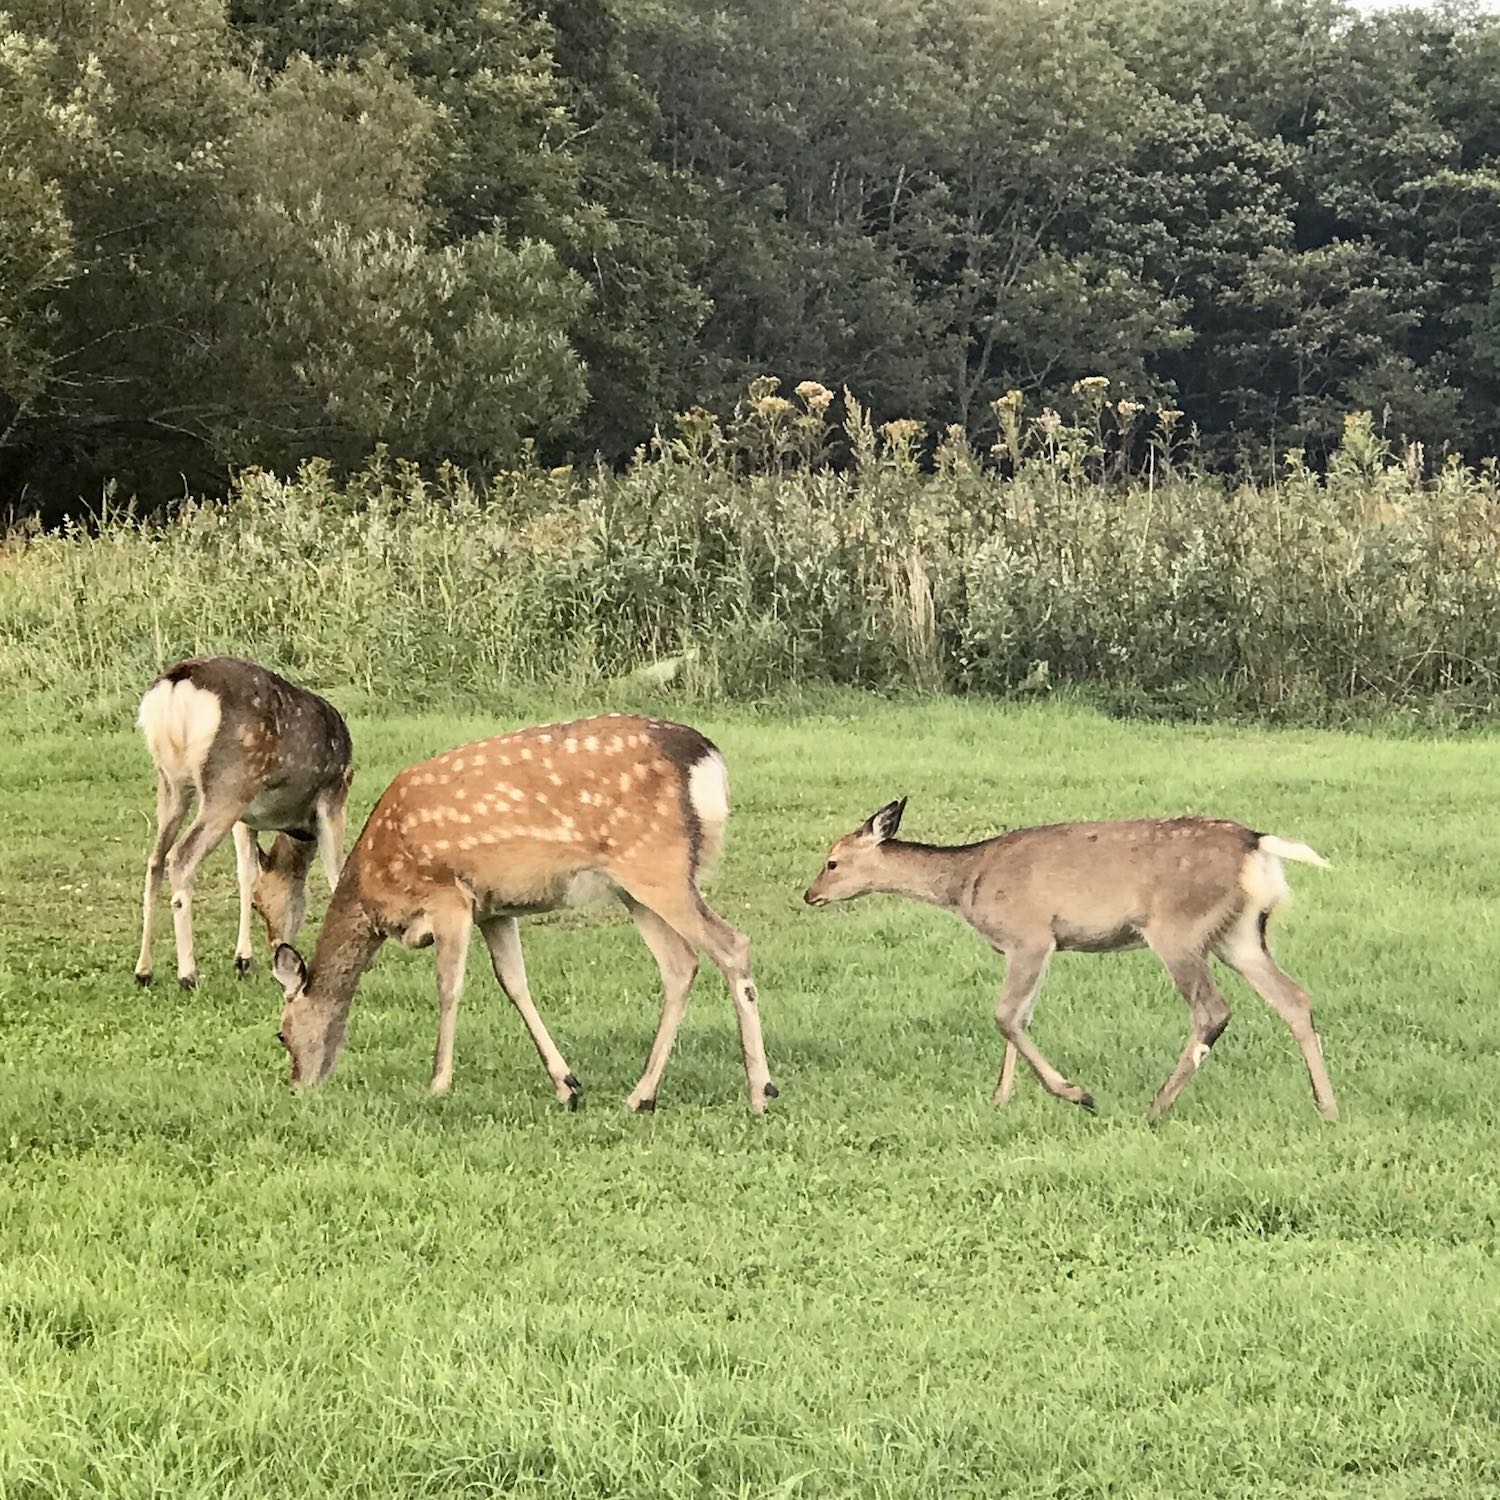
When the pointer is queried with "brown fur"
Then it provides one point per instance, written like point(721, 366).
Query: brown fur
point(1185, 887)
point(261, 755)
point(527, 822)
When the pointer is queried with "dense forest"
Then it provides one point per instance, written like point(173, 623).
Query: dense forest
point(478, 230)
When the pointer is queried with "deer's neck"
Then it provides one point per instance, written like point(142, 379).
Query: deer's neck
point(345, 948)
point(929, 872)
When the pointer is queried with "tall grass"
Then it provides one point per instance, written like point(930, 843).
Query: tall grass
point(1084, 552)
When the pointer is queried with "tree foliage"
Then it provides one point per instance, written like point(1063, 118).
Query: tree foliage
point(255, 232)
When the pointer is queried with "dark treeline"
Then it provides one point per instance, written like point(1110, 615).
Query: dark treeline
point(475, 228)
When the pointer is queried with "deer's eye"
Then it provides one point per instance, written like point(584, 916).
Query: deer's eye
point(833, 864)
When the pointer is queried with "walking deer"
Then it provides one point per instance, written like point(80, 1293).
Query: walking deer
point(1184, 887)
point(262, 756)
point(551, 816)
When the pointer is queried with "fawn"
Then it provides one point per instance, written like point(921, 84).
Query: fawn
point(1184, 887)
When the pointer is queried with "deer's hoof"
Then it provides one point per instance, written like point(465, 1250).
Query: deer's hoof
point(645, 1107)
point(187, 981)
point(771, 1091)
point(143, 979)
point(1086, 1101)
point(241, 966)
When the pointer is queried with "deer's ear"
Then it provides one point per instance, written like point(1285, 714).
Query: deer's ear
point(882, 825)
point(290, 971)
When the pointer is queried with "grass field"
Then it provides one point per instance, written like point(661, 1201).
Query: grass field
point(210, 1288)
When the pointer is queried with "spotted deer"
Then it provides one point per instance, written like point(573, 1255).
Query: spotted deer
point(1184, 887)
point(262, 756)
point(546, 817)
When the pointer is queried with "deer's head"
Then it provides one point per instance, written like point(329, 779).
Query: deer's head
point(854, 863)
point(312, 1030)
point(279, 891)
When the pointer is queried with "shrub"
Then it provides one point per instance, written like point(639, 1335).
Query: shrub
point(746, 547)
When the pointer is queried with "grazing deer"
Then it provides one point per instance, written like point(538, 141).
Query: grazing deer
point(262, 755)
point(543, 818)
point(1184, 887)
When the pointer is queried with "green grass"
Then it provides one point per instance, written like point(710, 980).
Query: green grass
point(883, 1288)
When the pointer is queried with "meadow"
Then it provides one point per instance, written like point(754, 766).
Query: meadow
point(210, 1288)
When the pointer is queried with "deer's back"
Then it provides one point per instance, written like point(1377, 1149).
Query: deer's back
point(543, 817)
point(286, 745)
point(1098, 886)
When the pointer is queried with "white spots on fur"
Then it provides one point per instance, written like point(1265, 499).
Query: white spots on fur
point(525, 752)
point(591, 743)
point(554, 778)
point(570, 745)
point(624, 781)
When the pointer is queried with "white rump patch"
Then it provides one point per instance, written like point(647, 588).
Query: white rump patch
point(708, 792)
point(1264, 881)
point(180, 721)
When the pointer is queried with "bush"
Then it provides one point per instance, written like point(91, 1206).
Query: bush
point(1040, 564)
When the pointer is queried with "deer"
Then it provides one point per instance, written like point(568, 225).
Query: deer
point(1185, 887)
point(551, 816)
point(261, 755)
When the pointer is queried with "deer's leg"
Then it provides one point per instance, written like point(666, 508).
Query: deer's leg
point(247, 867)
point(502, 936)
point(1209, 1014)
point(171, 808)
point(330, 818)
point(1248, 954)
point(451, 946)
point(684, 910)
point(215, 818)
point(678, 962)
point(1023, 976)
